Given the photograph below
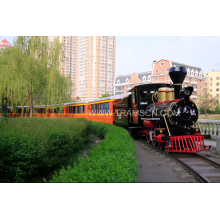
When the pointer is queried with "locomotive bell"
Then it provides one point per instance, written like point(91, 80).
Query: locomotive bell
point(177, 75)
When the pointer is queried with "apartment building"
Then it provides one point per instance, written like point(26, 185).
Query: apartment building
point(90, 63)
point(214, 83)
point(194, 77)
point(125, 82)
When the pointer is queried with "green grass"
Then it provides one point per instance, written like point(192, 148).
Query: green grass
point(211, 118)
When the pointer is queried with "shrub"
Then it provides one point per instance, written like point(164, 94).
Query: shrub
point(114, 160)
point(30, 147)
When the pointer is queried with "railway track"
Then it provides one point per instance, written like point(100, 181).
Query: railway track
point(202, 168)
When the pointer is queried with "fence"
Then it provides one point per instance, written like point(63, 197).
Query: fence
point(211, 127)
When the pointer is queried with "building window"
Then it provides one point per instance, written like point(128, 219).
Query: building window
point(135, 80)
point(156, 78)
point(162, 64)
point(168, 69)
point(217, 78)
point(211, 79)
point(217, 90)
point(210, 90)
point(210, 84)
point(217, 95)
point(156, 71)
point(118, 81)
point(217, 84)
point(161, 71)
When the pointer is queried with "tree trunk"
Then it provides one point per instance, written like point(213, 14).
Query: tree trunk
point(22, 111)
point(4, 107)
point(31, 106)
point(206, 112)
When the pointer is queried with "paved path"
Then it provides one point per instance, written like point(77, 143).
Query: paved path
point(157, 167)
point(210, 142)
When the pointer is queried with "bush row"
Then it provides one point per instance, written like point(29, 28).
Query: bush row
point(114, 160)
point(30, 147)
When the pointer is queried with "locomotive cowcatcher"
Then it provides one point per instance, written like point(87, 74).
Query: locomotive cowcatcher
point(164, 113)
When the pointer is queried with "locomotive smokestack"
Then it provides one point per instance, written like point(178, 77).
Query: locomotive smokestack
point(177, 75)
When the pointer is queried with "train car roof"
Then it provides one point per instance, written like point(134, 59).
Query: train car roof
point(153, 85)
point(120, 96)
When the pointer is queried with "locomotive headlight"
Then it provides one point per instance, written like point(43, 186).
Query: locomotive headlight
point(187, 92)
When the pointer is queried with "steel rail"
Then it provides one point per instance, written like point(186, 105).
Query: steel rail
point(191, 170)
point(214, 163)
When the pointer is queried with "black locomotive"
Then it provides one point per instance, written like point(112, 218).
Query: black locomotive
point(164, 113)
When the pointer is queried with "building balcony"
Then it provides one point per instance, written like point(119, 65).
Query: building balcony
point(194, 96)
point(119, 91)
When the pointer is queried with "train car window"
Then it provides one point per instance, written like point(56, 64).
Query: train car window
point(144, 97)
point(96, 108)
point(104, 108)
point(107, 107)
point(78, 109)
point(74, 109)
point(44, 110)
point(19, 110)
point(69, 109)
point(83, 109)
point(91, 108)
point(101, 107)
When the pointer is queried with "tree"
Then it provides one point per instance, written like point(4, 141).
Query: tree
point(206, 101)
point(31, 73)
point(105, 95)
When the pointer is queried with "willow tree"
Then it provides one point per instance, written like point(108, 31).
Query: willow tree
point(7, 76)
point(33, 73)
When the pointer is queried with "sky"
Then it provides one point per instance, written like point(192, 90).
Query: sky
point(136, 54)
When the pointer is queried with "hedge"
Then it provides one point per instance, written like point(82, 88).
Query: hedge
point(30, 147)
point(114, 160)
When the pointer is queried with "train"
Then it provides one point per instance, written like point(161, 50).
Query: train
point(163, 113)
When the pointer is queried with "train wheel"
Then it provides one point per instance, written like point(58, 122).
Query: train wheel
point(148, 138)
point(154, 142)
point(161, 146)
